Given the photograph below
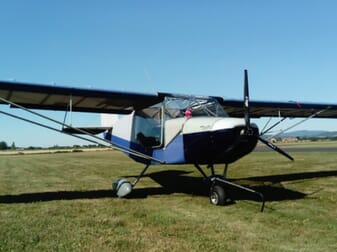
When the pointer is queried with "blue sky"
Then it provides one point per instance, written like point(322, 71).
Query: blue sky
point(192, 47)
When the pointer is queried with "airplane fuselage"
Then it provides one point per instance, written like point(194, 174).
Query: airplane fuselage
point(196, 140)
point(184, 130)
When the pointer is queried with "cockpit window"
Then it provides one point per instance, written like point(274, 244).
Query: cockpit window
point(147, 127)
point(192, 106)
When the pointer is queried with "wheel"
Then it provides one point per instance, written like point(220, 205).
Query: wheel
point(121, 187)
point(218, 196)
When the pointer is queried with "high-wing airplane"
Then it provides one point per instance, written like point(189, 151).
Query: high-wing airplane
point(164, 128)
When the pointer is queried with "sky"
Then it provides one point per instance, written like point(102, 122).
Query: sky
point(189, 47)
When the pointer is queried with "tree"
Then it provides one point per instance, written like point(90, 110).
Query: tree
point(3, 145)
point(13, 147)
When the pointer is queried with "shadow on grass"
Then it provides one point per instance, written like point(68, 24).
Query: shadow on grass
point(177, 181)
point(58, 195)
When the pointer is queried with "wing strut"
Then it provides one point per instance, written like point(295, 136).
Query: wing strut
point(70, 109)
point(70, 106)
point(113, 145)
point(300, 122)
point(271, 127)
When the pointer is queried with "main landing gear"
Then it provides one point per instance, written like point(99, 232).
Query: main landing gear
point(218, 195)
point(122, 187)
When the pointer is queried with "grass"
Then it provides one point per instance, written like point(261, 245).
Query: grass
point(63, 202)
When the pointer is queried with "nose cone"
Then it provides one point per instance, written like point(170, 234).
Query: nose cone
point(221, 140)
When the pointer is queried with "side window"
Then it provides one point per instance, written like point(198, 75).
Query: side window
point(147, 127)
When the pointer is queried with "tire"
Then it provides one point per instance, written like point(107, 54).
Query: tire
point(217, 195)
point(121, 187)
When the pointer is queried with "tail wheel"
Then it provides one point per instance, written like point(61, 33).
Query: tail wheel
point(218, 195)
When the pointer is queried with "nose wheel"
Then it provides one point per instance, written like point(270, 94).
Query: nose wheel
point(217, 195)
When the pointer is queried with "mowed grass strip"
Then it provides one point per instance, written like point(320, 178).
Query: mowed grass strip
point(63, 202)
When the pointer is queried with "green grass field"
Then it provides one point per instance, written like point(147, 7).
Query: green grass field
point(63, 202)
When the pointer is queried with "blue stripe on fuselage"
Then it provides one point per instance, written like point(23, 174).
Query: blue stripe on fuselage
point(171, 154)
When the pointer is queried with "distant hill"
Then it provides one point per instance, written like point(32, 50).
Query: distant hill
point(310, 134)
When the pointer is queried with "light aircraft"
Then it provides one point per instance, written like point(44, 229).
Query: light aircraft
point(165, 128)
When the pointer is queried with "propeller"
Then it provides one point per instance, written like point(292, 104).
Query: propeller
point(247, 119)
point(246, 102)
point(275, 148)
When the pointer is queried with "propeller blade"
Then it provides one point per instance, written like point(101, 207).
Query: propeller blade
point(275, 148)
point(246, 101)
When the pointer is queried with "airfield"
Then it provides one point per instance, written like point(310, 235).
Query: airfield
point(62, 201)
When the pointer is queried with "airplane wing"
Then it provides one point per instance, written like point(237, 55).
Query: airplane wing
point(37, 96)
point(52, 97)
point(290, 109)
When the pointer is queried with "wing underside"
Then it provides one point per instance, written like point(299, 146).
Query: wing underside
point(259, 109)
point(36, 96)
point(75, 99)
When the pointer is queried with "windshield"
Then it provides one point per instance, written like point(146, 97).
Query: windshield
point(192, 106)
point(148, 124)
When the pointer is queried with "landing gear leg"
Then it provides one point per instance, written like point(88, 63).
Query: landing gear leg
point(140, 175)
point(225, 171)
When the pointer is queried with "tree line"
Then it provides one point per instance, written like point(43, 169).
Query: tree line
point(5, 146)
